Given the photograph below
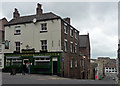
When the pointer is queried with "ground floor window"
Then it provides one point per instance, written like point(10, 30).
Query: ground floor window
point(16, 62)
point(0, 62)
point(7, 62)
point(42, 61)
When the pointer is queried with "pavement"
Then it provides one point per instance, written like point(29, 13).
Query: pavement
point(47, 79)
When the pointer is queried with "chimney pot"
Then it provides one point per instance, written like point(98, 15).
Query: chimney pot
point(67, 20)
point(16, 14)
point(38, 9)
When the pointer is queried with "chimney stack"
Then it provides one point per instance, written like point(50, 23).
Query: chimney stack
point(16, 14)
point(38, 9)
point(67, 20)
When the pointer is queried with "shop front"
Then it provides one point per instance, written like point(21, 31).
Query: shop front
point(44, 63)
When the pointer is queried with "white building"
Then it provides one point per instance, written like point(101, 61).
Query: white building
point(110, 70)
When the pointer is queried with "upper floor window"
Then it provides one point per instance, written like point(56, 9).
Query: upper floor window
point(71, 46)
point(44, 45)
point(65, 28)
point(75, 47)
point(71, 64)
point(75, 34)
point(17, 46)
point(65, 45)
point(17, 30)
point(44, 26)
point(71, 32)
point(76, 63)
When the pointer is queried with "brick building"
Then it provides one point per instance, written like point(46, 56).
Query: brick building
point(3, 21)
point(84, 46)
point(47, 41)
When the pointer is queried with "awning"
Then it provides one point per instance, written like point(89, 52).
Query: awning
point(12, 57)
point(41, 56)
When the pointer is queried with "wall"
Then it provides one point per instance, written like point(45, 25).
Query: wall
point(30, 35)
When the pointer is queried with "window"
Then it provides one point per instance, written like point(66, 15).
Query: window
point(42, 61)
point(0, 48)
point(17, 46)
point(71, 32)
point(44, 27)
point(44, 45)
point(76, 63)
point(75, 47)
point(7, 62)
point(65, 28)
point(65, 45)
point(83, 63)
point(80, 63)
point(71, 47)
point(17, 30)
point(71, 64)
point(16, 62)
point(0, 62)
point(75, 34)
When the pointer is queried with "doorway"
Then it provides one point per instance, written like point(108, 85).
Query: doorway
point(54, 66)
point(25, 61)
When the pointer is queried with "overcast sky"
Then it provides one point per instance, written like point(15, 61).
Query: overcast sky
point(99, 19)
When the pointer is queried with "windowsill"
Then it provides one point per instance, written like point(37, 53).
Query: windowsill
point(65, 51)
point(17, 33)
point(65, 33)
point(71, 36)
point(16, 51)
point(42, 31)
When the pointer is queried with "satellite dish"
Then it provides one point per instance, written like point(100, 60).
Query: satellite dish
point(34, 20)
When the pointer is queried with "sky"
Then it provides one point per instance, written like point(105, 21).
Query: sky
point(99, 19)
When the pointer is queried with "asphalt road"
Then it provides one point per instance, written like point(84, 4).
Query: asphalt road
point(46, 79)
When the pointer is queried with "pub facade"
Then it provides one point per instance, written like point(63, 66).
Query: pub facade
point(49, 42)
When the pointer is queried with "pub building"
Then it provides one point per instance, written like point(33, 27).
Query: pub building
point(50, 43)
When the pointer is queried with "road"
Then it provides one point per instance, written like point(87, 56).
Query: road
point(47, 79)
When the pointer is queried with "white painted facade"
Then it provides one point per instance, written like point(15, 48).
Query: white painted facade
point(30, 35)
point(110, 70)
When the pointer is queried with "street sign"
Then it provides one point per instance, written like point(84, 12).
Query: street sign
point(62, 59)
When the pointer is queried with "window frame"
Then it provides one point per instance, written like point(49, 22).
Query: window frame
point(71, 31)
point(65, 28)
point(75, 34)
point(71, 47)
point(75, 47)
point(44, 45)
point(65, 45)
point(71, 63)
point(17, 48)
point(17, 30)
point(43, 27)
point(76, 63)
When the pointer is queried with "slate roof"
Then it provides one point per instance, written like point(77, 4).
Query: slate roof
point(28, 19)
point(83, 40)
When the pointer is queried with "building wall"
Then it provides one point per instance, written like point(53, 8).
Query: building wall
point(2, 23)
point(30, 35)
point(68, 56)
point(86, 68)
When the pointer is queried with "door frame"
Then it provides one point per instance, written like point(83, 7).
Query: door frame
point(54, 59)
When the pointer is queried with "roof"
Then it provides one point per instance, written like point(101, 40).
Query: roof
point(28, 19)
point(83, 40)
